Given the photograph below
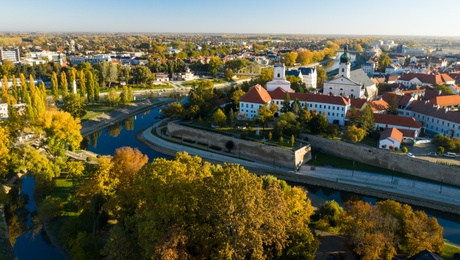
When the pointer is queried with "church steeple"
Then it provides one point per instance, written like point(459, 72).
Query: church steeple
point(345, 65)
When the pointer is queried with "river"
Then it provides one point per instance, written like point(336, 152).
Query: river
point(105, 142)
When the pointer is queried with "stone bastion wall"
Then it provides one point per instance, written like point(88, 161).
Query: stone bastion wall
point(258, 152)
point(385, 159)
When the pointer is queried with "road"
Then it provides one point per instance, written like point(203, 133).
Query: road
point(447, 197)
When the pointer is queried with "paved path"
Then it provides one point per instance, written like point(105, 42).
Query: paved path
point(426, 191)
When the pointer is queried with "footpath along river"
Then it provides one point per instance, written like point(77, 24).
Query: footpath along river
point(106, 141)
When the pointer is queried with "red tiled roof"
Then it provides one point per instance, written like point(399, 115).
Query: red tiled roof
point(387, 119)
point(256, 94)
point(403, 100)
point(429, 109)
point(427, 78)
point(378, 105)
point(408, 133)
point(393, 133)
point(444, 101)
point(357, 102)
point(336, 100)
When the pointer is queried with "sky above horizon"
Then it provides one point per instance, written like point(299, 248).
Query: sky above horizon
point(353, 17)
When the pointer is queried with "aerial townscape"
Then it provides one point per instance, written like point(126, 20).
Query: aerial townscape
point(229, 130)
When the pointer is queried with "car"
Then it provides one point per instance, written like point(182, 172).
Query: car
point(450, 155)
point(410, 155)
point(432, 154)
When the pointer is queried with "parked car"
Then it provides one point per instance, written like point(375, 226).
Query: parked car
point(432, 154)
point(450, 155)
point(410, 155)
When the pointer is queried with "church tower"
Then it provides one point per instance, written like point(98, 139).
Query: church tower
point(279, 72)
point(345, 65)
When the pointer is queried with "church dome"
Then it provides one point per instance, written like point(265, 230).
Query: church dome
point(345, 57)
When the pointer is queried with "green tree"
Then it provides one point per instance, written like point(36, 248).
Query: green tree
point(15, 90)
point(236, 95)
point(82, 84)
point(367, 119)
point(265, 116)
point(354, 134)
point(142, 74)
point(75, 105)
point(384, 61)
point(445, 89)
point(228, 75)
point(113, 98)
point(286, 103)
point(219, 117)
point(126, 95)
point(90, 85)
point(318, 124)
point(215, 65)
point(393, 105)
point(173, 109)
point(4, 150)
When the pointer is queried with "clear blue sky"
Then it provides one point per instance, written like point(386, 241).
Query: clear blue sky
point(359, 17)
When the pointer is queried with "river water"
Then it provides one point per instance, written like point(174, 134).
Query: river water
point(30, 246)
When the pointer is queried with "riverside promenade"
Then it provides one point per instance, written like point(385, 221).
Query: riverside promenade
point(425, 194)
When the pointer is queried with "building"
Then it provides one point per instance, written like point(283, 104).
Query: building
point(310, 77)
point(383, 121)
point(161, 77)
point(250, 102)
point(350, 84)
point(369, 68)
point(279, 79)
point(91, 59)
point(13, 56)
point(390, 138)
point(421, 79)
point(183, 76)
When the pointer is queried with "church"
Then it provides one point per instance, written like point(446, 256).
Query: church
point(350, 84)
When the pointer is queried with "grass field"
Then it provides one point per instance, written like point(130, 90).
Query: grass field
point(449, 251)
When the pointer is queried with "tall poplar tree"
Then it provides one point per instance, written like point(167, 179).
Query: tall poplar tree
point(4, 88)
point(15, 89)
point(82, 83)
point(64, 85)
point(90, 85)
point(54, 87)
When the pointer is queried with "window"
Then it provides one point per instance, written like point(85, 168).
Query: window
point(328, 107)
point(333, 114)
point(342, 115)
point(316, 105)
point(342, 108)
point(252, 106)
point(279, 75)
point(448, 124)
point(320, 106)
point(311, 105)
point(343, 69)
point(328, 113)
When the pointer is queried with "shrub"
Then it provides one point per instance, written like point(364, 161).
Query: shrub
point(404, 149)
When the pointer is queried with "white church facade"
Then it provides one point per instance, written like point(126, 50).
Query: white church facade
point(350, 84)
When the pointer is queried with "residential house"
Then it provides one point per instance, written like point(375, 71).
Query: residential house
point(250, 102)
point(383, 121)
point(390, 138)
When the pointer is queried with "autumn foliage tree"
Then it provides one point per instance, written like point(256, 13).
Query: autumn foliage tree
point(389, 227)
point(187, 208)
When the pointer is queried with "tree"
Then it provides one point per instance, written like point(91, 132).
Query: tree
point(228, 75)
point(445, 89)
point(229, 145)
point(141, 74)
point(173, 109)
point(215, 64)
point(384, 61)
point(113, 98)
point(289, 59)
point(219, 117)
point(62, 131)
point(64, 85)
point(54, 87)
point(318, 124)
point(246, 216)
point(354, 134)
point(126, 95)
point(75, 105)
point(304, 57)
point(236, 95)
point(330, 212)
point(4, 89)
point(4, 150)
point(286, 103)
point(439, 150)
point(82, 84)
point(367, 119)
point(393, 105)
point(90, 85)
point(265, 116)
point(379, 231)
point(321, 77)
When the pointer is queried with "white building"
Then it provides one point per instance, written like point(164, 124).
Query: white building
point(390, 137)
point(250, 102)
point(351, 84)
point(369, 68)
point(309, 76)
point(91, 59)
point(13, 56)
point(279, 79)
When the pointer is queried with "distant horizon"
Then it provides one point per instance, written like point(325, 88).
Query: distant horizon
point(267, 17)
point(229, 33)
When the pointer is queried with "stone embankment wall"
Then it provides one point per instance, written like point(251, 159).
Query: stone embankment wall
point(275, 156)
point(388, 160)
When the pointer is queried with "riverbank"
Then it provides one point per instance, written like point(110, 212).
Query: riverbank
point(322, 177)
point(117, 115)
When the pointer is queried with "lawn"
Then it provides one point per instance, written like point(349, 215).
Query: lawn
point(449, 251)
point(63, 187)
